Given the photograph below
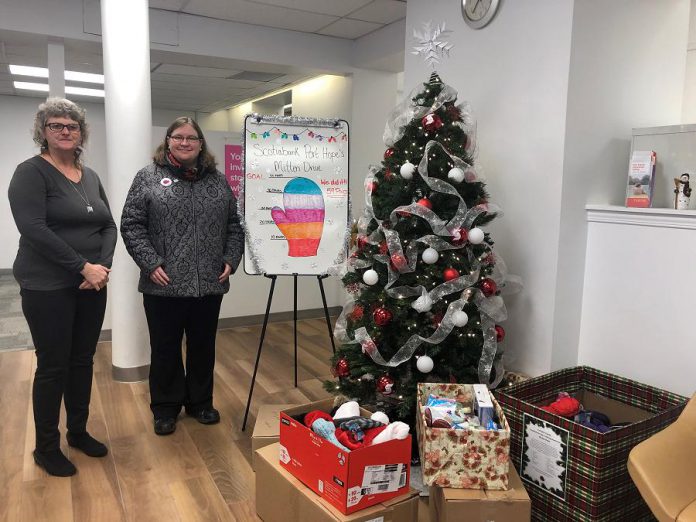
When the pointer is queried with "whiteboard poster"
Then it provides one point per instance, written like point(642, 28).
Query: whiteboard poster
point(295, 194)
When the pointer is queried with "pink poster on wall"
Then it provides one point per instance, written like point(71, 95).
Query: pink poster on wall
point(234, 167)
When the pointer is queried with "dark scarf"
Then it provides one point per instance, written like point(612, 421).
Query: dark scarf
point(187, 173)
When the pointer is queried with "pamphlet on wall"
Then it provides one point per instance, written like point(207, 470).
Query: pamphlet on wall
point(641, 179)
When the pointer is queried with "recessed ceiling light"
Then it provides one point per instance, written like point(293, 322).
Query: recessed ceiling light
point(24, 70)
point(43, 87)
point(84, 91)
point(84, 77)
point(29, 86)
point(42, 72)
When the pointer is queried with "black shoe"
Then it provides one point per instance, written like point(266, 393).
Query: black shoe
point(165, 426)
point(206, 415)
point(55, 463)
point(87, 444)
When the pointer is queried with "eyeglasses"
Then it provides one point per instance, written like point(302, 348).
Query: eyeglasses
point(58, 127)
point(181, 139)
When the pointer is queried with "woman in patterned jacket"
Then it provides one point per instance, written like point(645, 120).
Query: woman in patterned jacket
point(180, 225)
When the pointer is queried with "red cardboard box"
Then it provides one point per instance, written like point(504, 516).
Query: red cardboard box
point(349, 481)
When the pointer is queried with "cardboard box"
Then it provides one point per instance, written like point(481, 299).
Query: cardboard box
point(573, 472)
point(280, 497)
point(462, 458)
point(349, 480)
point(266, 428)
point(481, 505)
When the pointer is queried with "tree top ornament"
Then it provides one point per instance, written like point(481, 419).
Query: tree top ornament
point(430, 46)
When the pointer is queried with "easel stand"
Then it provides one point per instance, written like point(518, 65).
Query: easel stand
point(273, 278)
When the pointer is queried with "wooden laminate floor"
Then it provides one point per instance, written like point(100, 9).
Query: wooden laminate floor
point(199, 473)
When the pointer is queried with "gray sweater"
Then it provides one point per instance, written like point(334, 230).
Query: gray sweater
point(190, 228)
point(58, 233)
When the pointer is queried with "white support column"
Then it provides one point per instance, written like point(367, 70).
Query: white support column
point(128, 110)
point(56, 67)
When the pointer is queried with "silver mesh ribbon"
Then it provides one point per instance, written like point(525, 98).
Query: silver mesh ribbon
point(410, 109)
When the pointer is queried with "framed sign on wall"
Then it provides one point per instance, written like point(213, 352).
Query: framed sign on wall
point(295, 194)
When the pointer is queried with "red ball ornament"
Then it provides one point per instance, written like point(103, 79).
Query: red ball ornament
point(389, 153)
point(342, 369)
point(383, 249)
point(488, 287)
point(357, 313)
point(362, 242)
point(499, 333)
point(397, 262)
point(385, 385)
point(431, 122)
point(371, 187)
point(450, 273)
point(437, 319)
point(388, 174)
point(460, 236)
point(382, 316)
point(425, 202)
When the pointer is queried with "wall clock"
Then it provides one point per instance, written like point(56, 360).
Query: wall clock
point(478, 13)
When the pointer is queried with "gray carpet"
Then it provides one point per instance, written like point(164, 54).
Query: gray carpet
point(14, 331)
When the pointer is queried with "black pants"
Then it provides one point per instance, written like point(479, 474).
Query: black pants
point(172, 386)
point(65, 326)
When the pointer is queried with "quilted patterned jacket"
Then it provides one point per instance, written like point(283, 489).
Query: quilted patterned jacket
point(190, 228)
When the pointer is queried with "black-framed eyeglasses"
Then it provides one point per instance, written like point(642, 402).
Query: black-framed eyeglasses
point(181, 139)
point(58, 127)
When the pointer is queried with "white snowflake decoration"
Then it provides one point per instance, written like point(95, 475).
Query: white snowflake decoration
point(431, 47)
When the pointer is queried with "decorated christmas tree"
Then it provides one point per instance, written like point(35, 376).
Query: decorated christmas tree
point(423, 279)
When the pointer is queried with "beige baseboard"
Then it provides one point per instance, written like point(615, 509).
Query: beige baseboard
point(253, 320)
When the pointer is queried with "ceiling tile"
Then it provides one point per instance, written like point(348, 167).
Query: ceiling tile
point(192, 70)
point(351, 29)
point(169, 5)
point(330, 7)
point(259, 14)
point(381, 11)
point(192, 80)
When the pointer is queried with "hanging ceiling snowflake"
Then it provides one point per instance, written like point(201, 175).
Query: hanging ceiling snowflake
point(431, 47)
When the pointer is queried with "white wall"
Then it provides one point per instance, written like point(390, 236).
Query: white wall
point(375, 94)
point(689, 104)
point(638, 301)
point(514, 72)
point(619, 79)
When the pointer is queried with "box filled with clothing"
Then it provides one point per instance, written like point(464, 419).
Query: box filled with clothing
point(350, 475)
point(572, 430)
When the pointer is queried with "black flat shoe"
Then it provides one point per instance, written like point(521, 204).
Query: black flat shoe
point(55, 463)
point(87, 444)
point(165, 426)
point(206, 416)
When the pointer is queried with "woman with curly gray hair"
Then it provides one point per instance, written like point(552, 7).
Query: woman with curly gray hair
point(66, 245)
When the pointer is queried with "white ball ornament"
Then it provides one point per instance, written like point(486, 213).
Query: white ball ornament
point(476, 236)
point(370, 277)
point(456, 174)
point(459, 318)
point(407, 170)
point(430, 256)
point(425, 364)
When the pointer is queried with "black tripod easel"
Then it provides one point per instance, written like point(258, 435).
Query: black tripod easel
point(273, 278)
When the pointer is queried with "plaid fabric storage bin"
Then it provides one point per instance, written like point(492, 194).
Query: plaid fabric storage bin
point(572, 472)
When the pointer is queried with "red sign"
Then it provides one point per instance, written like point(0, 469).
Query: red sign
point(234, 167)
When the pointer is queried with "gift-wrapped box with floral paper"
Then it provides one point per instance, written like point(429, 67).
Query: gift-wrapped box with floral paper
point(472, 457)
